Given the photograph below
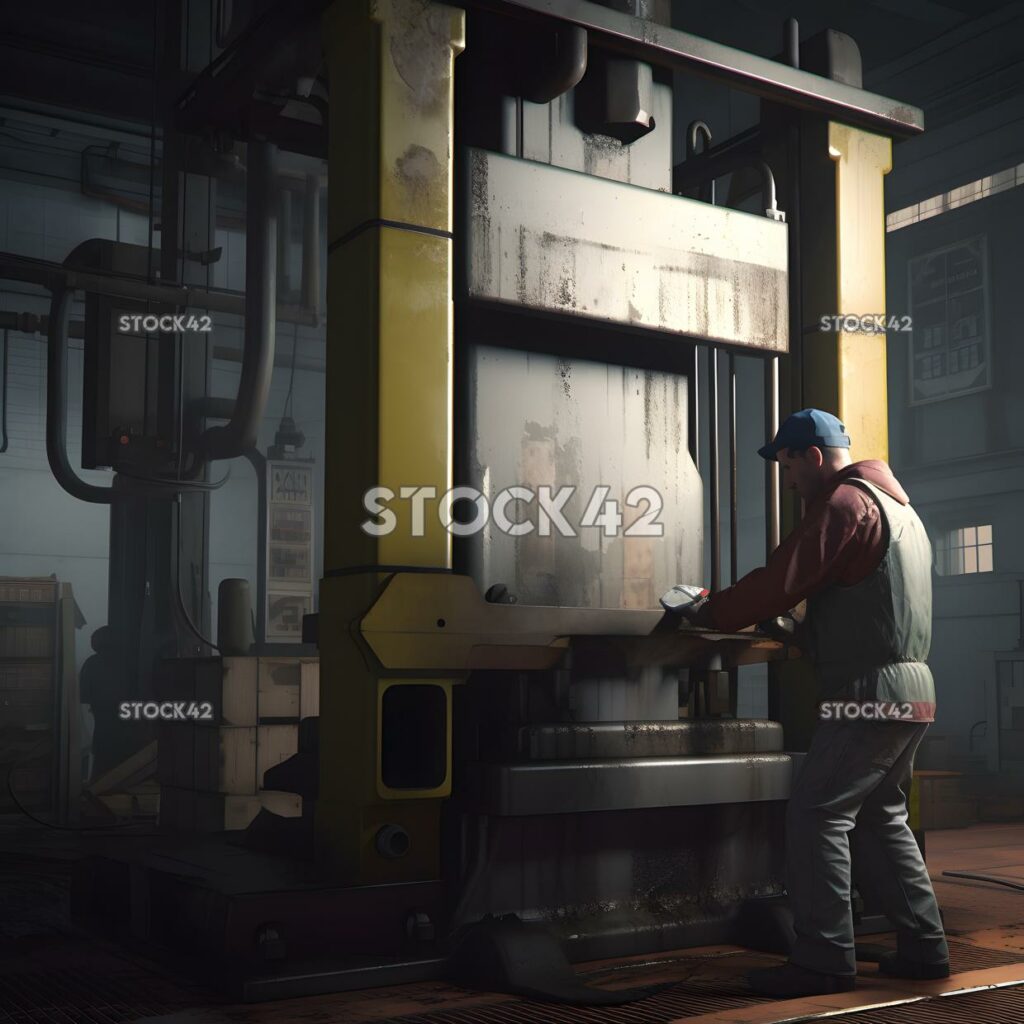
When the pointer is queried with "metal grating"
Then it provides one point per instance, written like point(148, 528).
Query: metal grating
point(658, 1009)
point(695, 996)
point(964, 956)
point(692, 996)
point(994, 1006)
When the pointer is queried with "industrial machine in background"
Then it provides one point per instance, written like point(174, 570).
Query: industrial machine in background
point(527, 288)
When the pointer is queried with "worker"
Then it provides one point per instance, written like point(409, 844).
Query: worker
point(861, 560)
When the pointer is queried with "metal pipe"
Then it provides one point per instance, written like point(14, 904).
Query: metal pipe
point(553, 77)
point(239, 434)
point(713, 471)
point(771, 467)
point(259, 464)
point(54, 275)
point(700, 170)
point(693, 419)
point(734, 675)
point(768, 192)
point(733, 490)
point(284, 238)
point(56, 407)
point(744, 144)
point(791, 42)
point(311, 245)
point(700, 130)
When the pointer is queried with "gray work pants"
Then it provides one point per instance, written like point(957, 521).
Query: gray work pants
point(857, 774)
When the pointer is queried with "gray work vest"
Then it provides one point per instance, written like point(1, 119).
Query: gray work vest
point(870, 640)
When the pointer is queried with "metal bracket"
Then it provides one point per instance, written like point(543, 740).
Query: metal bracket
point(440, 623)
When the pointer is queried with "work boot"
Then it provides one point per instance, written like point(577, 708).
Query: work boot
point(790, 981)
point(895, 966)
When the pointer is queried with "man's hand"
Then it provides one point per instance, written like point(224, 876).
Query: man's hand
point(782, 627)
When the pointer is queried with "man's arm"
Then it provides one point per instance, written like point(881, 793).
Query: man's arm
point(814, 555)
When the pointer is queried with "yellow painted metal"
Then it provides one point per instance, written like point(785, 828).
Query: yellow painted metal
point(843, 251)
point(390, 286)
point(842, 271)
point(862, 160)
point(441, 623)
point(445, 789)
point(389, 385)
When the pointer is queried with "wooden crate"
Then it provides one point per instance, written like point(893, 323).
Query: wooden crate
point(39, 705)
point(274, 744)
point(309, 688)
point(278, 688)
point(222, 759)
point(185, 810)
point(218, 759)
point(228, 685)
point(245, 691)
point(26, 694)
point(28, 618)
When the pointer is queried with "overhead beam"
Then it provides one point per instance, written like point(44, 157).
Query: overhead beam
point(680, 51)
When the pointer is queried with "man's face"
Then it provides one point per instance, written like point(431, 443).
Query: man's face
point(801, 471)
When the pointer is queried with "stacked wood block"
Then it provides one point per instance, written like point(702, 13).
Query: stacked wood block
point(38, 696)
point(211, 770)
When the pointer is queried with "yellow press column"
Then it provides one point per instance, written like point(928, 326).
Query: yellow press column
point(385, 761)
point(841, 271)
point(843, 253)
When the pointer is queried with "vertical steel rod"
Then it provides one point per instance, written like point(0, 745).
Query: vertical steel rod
point(693, 401)
point(734, 672)
point(714, 470)
point(733, 475)
point(771, 470)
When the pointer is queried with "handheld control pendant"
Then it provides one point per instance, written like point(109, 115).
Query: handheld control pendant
point(684, 599)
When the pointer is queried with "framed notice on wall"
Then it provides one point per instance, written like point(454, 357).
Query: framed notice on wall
point(289, 563)
point(950, 342)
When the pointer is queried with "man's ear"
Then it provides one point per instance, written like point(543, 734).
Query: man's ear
point(815, 456)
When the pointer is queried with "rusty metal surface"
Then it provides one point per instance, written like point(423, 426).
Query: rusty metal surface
point(767, 78)
point(551, 239)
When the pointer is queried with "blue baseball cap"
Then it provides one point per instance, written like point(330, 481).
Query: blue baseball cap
point(804, 429)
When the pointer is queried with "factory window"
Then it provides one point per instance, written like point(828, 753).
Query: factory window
point(949, 346)
point(967, 549)
point(990, 185)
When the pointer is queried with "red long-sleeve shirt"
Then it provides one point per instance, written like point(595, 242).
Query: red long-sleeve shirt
point(840, 540)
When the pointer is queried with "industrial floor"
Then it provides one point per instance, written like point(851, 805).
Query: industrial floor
point(51, 973)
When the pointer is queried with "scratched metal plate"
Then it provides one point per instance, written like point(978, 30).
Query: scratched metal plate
point(537, 420)
point(551, 239)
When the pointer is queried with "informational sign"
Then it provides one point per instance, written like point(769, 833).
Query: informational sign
point(949, 345)
point(289, 584)
point(291, 484)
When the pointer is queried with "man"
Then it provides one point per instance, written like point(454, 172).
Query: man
point(862, 560)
